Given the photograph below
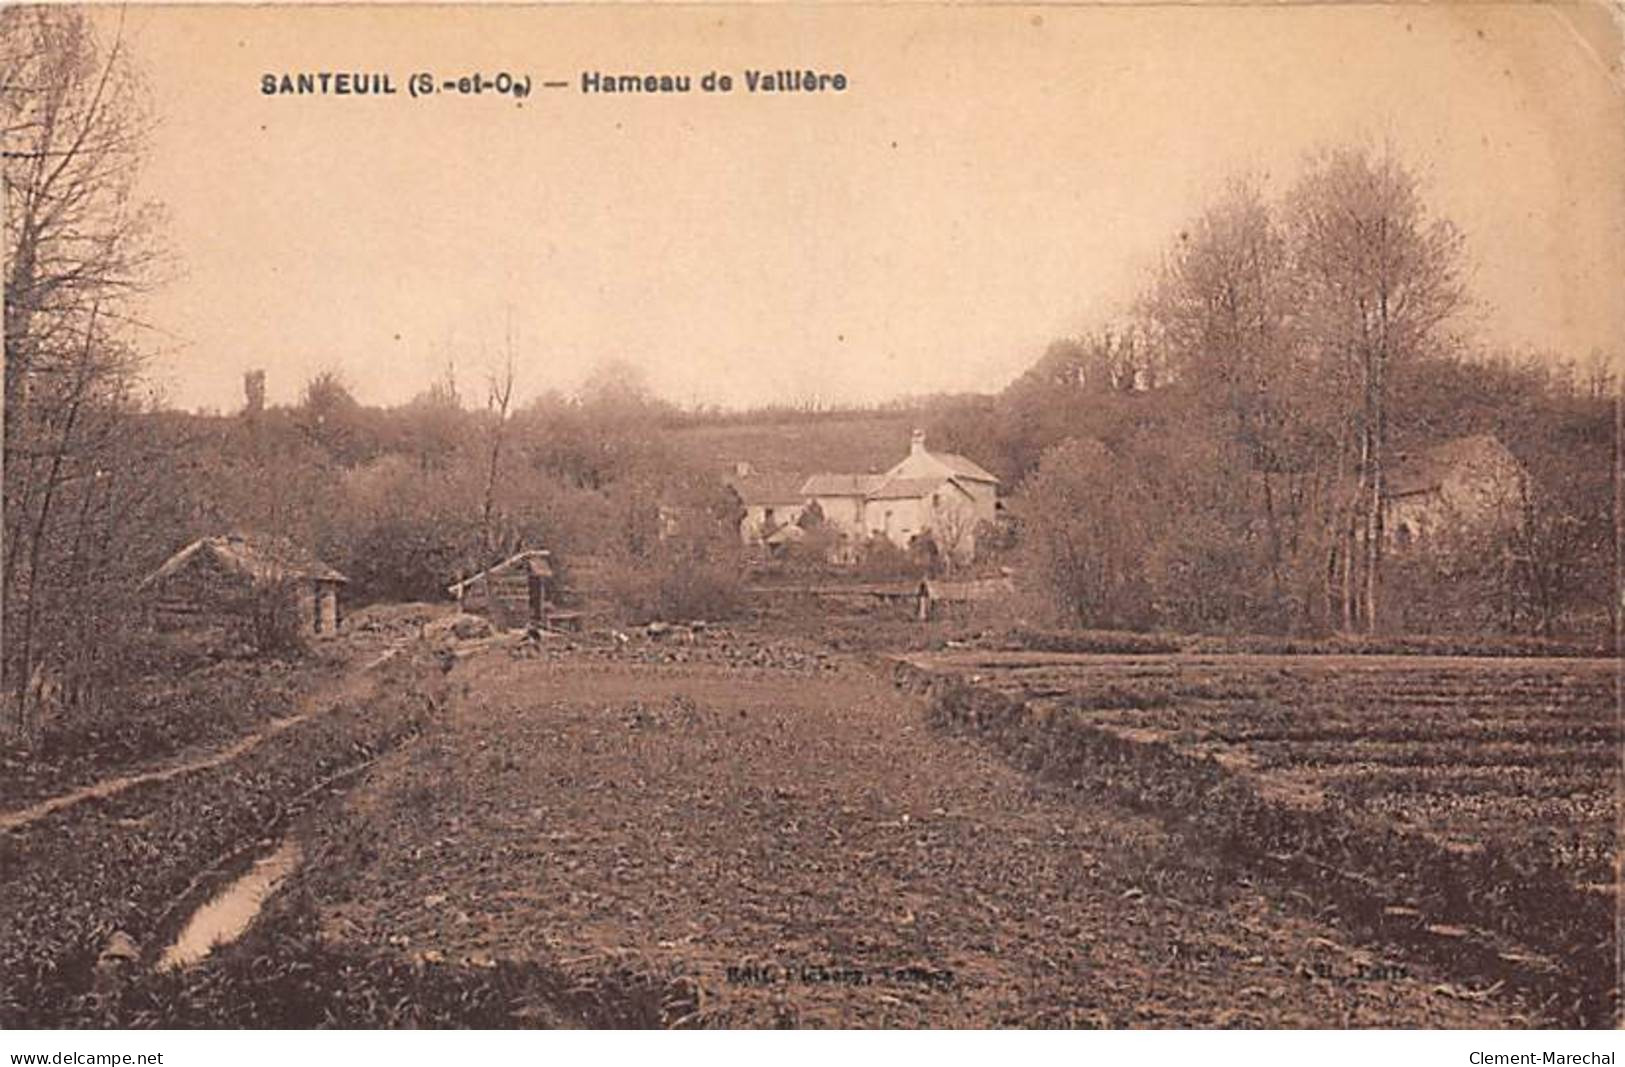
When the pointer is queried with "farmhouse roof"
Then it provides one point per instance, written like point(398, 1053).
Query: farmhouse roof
point(768, 489)
point(258, 557)
point(921, 461)
point(537, 562)
point(917, 474)
point(1426, 471)
point(842, 484)
point(907, 488)
point(962, 467)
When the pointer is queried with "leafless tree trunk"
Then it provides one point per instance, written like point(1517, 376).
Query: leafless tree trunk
point(1616, 601)
point(77, 247)
point(1382, 281)
point(953, 529)
point(1225, 317)
point(499, 398)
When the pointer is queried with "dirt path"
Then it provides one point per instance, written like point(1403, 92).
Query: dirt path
point(804, 851)
point(315, 703)
point(108, 787)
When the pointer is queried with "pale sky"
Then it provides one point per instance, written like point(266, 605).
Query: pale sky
point(992, 178)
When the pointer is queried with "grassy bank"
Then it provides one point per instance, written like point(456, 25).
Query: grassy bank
point(131, 862)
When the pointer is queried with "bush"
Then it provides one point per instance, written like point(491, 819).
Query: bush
point(1089, 529)
point(676, 589)
point(813, 556)
point(269, 618)
point(880, 560)
point(700, 591)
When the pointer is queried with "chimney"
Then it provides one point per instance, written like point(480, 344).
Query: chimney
point(254, 391)
point(916, 443)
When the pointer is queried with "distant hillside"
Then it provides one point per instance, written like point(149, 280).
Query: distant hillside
point(840, 443)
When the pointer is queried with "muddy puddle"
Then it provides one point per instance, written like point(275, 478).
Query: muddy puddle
point(225, 917)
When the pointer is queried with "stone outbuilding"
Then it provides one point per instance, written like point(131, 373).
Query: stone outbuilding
point(513, 594)
point(1465, 483)
point(210, 580)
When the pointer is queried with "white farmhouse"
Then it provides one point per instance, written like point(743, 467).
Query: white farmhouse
point(937, 493)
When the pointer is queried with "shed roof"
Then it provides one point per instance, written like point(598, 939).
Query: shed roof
point(258, 557)
point(537, 562)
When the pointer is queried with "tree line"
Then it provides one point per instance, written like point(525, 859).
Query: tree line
point(1221, 459)
point(1217, 460)
point(102, 482)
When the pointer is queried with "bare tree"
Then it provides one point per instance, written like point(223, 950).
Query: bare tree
point(1381, 281)
point(953, 528)
point(1224, 315)
point(499, 397)
point(1601, 374)
point(78, 247)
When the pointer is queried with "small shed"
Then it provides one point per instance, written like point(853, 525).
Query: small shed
point(513, 593)
point(205, 582)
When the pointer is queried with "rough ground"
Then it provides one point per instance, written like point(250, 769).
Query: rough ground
point(805, 829)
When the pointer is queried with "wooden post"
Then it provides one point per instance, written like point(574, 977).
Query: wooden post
point(329, 602)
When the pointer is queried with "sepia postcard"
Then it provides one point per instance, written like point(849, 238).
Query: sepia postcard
point(861, 517)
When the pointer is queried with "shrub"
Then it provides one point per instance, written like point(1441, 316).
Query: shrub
point(676, 588)
point(880, 560)
point(813, 556)
point(699, 591)
point(269, 618)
